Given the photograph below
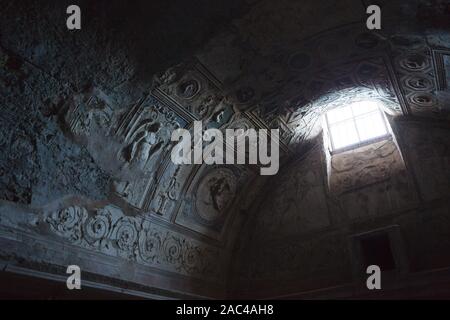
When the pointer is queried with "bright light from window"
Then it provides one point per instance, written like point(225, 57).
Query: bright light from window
point(355, 124)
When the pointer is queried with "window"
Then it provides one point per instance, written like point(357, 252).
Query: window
point(354, 125)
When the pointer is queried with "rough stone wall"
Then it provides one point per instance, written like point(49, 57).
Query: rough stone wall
point(86, 118)
point(77, 122)
point(43, 65)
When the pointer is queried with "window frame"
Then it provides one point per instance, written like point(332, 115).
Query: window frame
point(353, 118)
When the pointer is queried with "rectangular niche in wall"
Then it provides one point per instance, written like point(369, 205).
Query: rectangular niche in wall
point(382, 247)
point(376, 250)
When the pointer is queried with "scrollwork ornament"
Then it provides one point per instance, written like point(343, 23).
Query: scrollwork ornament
point(68, 222)
point(110, 232)
point(149, 245)
point(191, 258)
point(98, 227)
point(125, 235)
point(172, 249)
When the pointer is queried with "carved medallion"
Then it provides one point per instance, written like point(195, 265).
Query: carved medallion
point(98, 226)
point(414, 62)
point(188, 89)
point(419, 83)
point(423, 99)
point(215, 195)
point(67, 222)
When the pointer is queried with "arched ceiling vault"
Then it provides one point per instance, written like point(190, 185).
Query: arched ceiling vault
point(283, 63)
point(278, 64)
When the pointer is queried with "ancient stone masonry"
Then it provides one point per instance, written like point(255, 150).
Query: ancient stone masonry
point(132, 143)
point(299, 81)
point(193, 91)
point(214, 197)
point(144, 132)
point(110, 232)
point(418, 80)
point(168, 194)
point(365, 166)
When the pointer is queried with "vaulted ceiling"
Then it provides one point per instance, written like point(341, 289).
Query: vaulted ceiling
point(75, 104)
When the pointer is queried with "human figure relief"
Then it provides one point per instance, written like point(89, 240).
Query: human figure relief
point(219, 194)
point(173, 185)
point(215, 194)
point(170, 193)
point(143, 148)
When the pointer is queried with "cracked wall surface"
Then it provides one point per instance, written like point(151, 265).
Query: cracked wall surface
point(86, 176)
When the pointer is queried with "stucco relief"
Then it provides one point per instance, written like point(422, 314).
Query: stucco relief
point(191, 87)
point(371, 180)
point(415, 62)
point(418, 79)
point(187, 89)
point(143, 147)
point(212, 199)
point(364, 166)
point(88, 112)
point(145, 133)
point(168, 194)
point(215, 194)
point(419, 83)
point(303, 109)
point(298, 204)
point(108, 231)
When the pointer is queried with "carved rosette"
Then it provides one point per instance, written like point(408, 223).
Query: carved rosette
point(146, 140)
point(125, 237)
point(214, 196)
point(108, 231)
point(414, 62)
point(175, 252)
point(88, 111)
point(149, 246)
point(172, 249)
point(67, 223)
point(191, 258)
point(98, 227)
